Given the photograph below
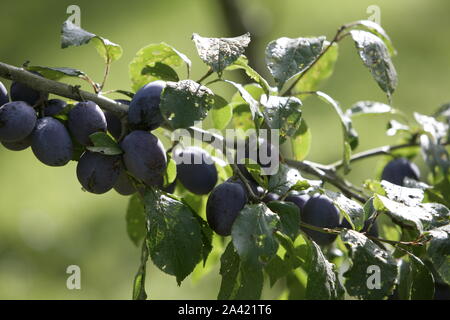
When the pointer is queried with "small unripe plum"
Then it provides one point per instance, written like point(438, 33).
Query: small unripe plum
point(319, 211)
point(144, 157)
point(398, 169)
point(98, 173)
point(144, 112)
point(18, 145)
point(53, 107)
point(85, 119)
point(124, 185)
point(51, 142)
point(3, 94)
point(17, 121)
point(196, 170)
point(223, 206)
point(22, 92)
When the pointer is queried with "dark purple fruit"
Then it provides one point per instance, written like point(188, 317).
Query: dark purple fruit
point(398, 169)
point(22, 92)
point(53, 107)
point(17, 121)
point(85, 119)
point(124, 185)
point(18, 145)
point(144, 112)
point(298, 199)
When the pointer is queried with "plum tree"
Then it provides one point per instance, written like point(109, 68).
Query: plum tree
point(98, 173)
point(398, 169)
point(51, 142)
point(18, 145)
point(144, 156)
point(17, 121)
point(124, 185)
point(196, 170)
point(53, 107)
point(298, 199)
point(319, 211)
point(223, 206)
point(21, 92)
point(85, 119)
point(144, 112)
point(3, 94)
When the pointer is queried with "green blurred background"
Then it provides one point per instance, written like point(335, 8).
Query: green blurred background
point(48, 223)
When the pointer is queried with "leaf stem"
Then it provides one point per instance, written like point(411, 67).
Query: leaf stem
point(206, 75)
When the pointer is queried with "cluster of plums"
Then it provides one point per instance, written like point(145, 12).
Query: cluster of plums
point(29, 120)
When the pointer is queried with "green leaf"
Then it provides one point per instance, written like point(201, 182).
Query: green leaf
point(248, 98)
point(289, 215)
point(276, 269)
point(284, 114)
point(57, 73)
point(369, 107)
point(242, 63)
point(438, 249)
point(365, 254)
point(135, 217)
point(351, 210)
point(375, 56)
point(438, 130)
point(139, 280)
point(284, 179)
point(323, 282)
point(408, 196)
point(394, 127)
point(161, 71)
point(222, 113)
point(174, 234)
point(171, 171)
point(351, 139)
point(252, 234)
point(219, 53)
point(238, 281)
point(376, 29)
point(104, 144)
point(185, 102)
point(286, 57)
point(72, 35)
point(416, 280)
point(151, 56)
point(318, 73)
point(301, 141)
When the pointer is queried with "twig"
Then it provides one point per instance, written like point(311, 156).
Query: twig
point(206, 75)
point(244, 180)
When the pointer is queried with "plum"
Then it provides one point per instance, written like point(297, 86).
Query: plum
point(3, 94)
point(319, 211)
point(51, 142)
point(113, 121)
point(22, 92)
point(85, 119)
point(196, 170)
point(53, 107)
point(124, 185)
point(257, 189)
point(398, 169)
point(17, 121)
point(144, 156)
point(223, 206)
point(98, 173)
point(144, 112)
point(271, 196)
point(18, 145)
point(298, 199)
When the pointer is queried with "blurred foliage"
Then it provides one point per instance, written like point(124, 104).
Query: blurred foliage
point(48, 223)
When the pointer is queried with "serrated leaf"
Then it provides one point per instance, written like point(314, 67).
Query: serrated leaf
point(416, 280)
point(242, 63)
point(161, 71)
point(318, 73)
point(368, 107)
point(174, 234)
point(323, 282)
point(238, 281)
point(286, 57)
point(252, 234)
point(375, 56)
point(104, 144)
point(284, 114)
point(407, 196)
point(289, 215)
point(57, 73)
point(284, 179)
point(253, 104)
point(150, 56)
point(185, 102)
point(376, 29)
point(222, 113)
point(135, 219)
point(110, 51)
point(438, 249)
point(301, 141)
point(352, 211)
point(365, 254)
point(219, 53)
